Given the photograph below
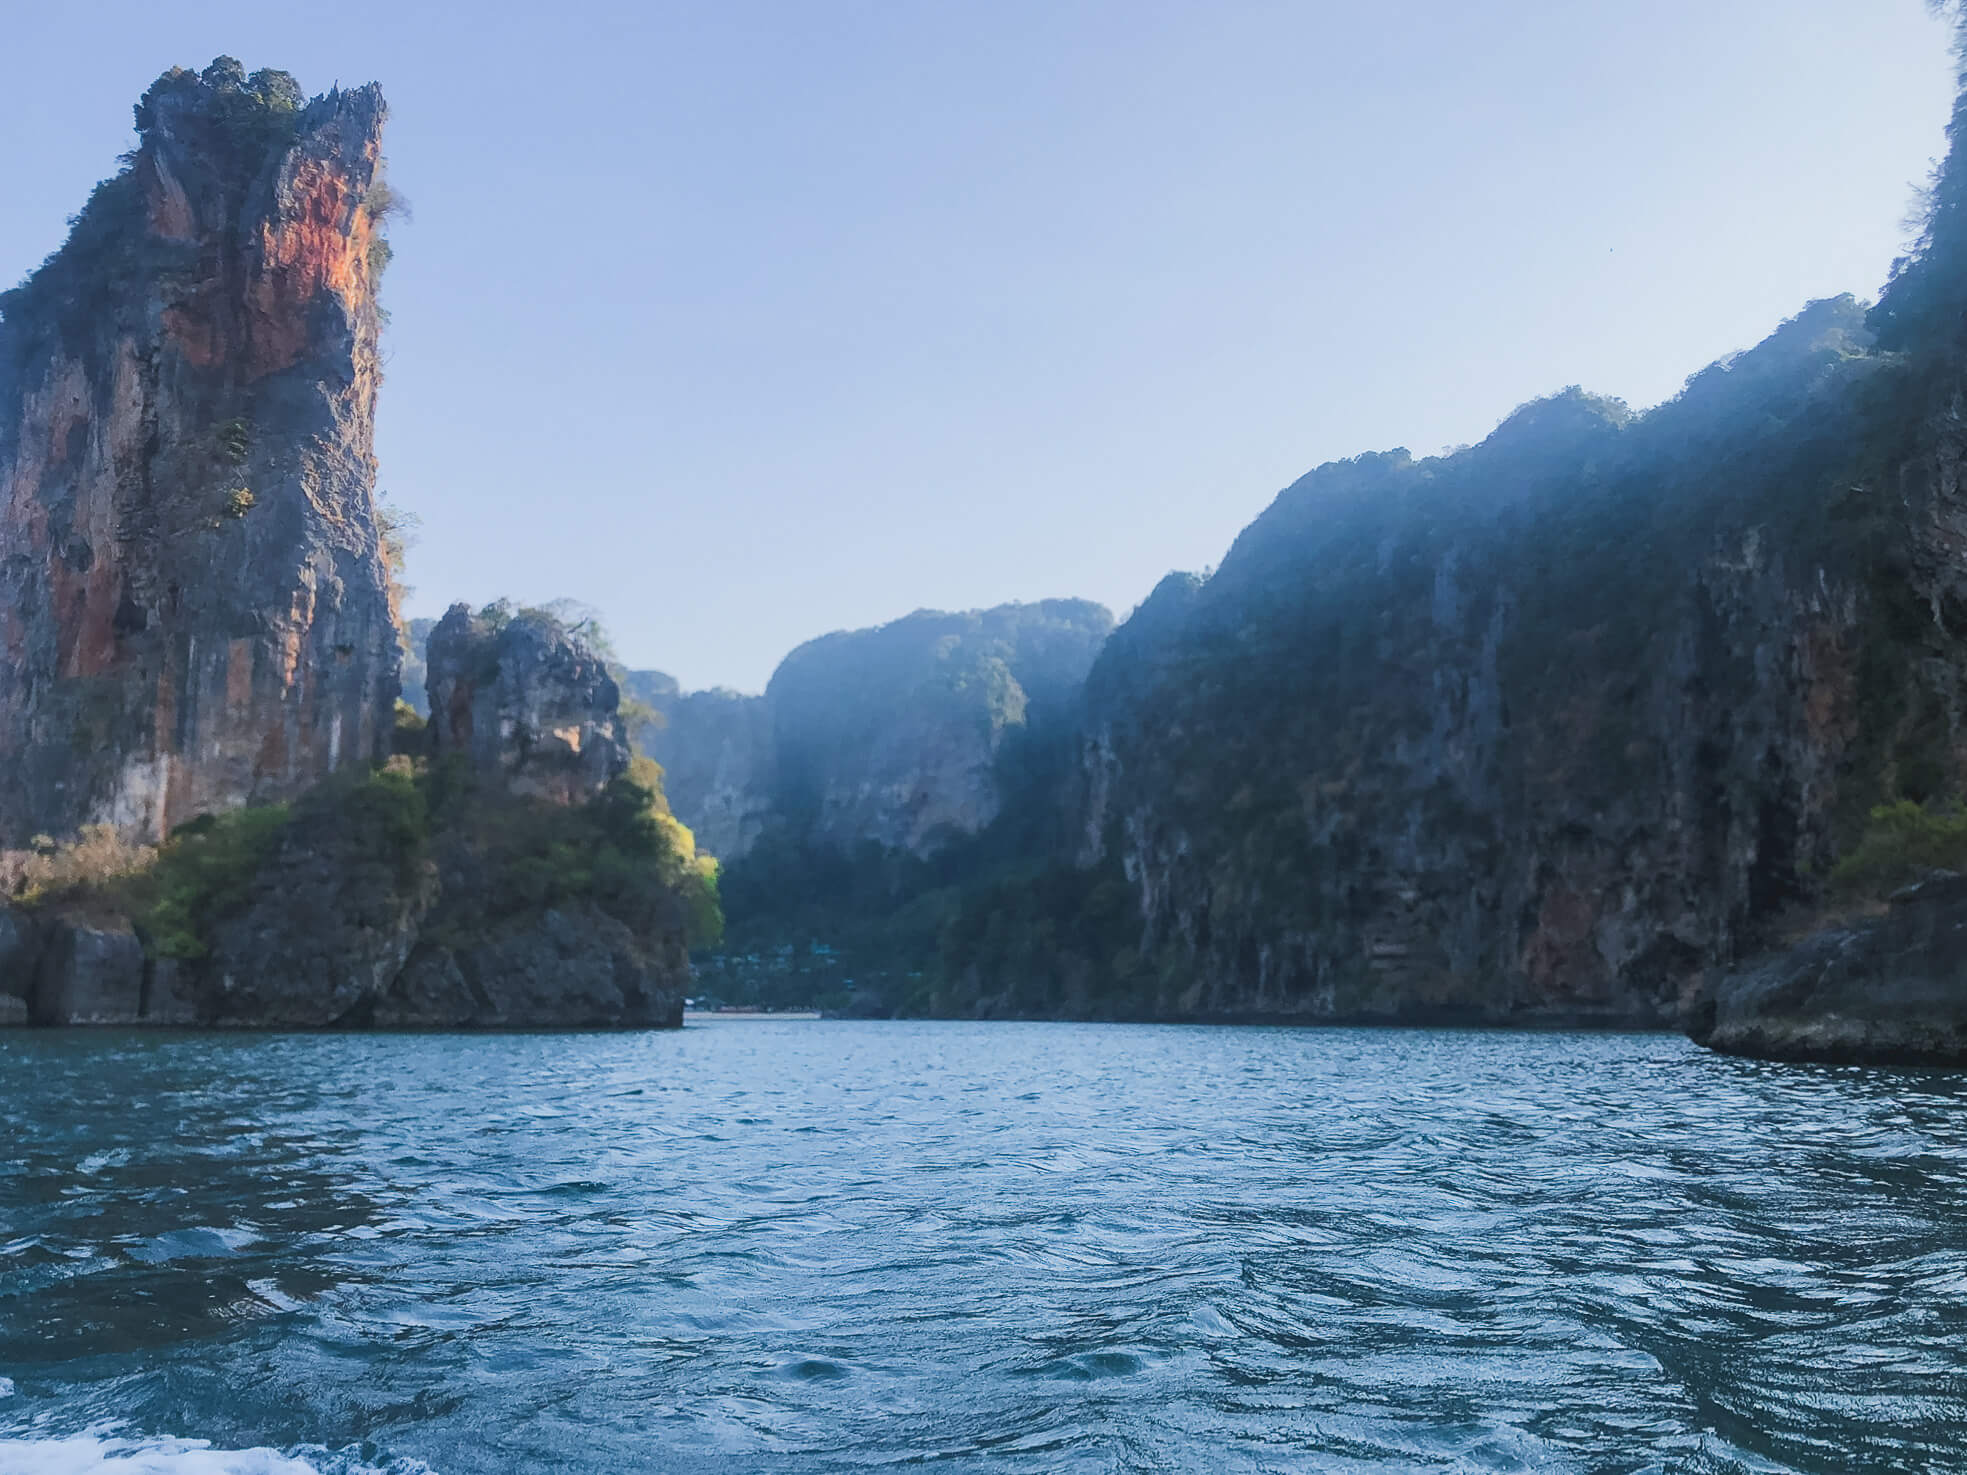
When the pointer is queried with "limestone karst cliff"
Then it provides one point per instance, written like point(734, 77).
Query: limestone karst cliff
point(888, 736)
point(200, 652)
point(530, 708)
point(1558, 726)
point(1568, 726)
point(715, 748)
point(1542, 729)
point(501, 883)
point(194, 608)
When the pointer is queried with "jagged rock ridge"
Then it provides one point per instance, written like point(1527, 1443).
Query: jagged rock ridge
point(194, 608)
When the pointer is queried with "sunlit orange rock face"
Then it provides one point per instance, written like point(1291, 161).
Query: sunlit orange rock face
point(194, 607)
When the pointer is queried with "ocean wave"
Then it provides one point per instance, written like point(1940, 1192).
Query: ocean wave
point(98, 1453)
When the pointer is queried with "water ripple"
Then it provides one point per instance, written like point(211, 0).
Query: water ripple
point(823, 1247)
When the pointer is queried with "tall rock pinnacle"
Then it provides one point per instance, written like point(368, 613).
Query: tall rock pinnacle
point(195, 611)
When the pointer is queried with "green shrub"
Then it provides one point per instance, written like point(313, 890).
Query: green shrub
point(410, 735)
point(1902, 842)
point(277, 91)
point(235, 441)
point(648, 859)
point(212, 867)
point(385, 814)
point(205, 871)
point(622, 851)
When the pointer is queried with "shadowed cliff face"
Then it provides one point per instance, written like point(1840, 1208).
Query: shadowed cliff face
point(715, 748)
point(1552, 726)
point(892, 734)
point(194, 611)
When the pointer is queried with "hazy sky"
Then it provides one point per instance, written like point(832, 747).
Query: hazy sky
point(746, 322)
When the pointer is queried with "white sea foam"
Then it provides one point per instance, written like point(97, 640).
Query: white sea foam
point(109, 1454)
point(269, 1291)
point(201, 1242)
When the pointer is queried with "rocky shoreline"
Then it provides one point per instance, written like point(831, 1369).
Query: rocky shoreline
point(1886, 990)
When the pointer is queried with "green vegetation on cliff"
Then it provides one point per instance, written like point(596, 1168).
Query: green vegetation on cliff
point(621, 851)
point(248, 119)
point(1903, 843)
point(509, 859)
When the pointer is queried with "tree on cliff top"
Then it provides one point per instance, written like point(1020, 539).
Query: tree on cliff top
point(1925, 303)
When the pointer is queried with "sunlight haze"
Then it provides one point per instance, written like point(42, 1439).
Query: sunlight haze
point(744, 323)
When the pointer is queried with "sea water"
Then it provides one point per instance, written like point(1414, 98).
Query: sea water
point(815, 1246)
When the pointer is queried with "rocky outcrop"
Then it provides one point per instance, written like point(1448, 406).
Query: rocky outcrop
point(371, 911)
point(68, 968)
point(194, 608)
point(89, 975)
point(331, 918)
point(1890, 989)
point(357, 910)
point(575, 968)
point(526, 702)
point(535, 884)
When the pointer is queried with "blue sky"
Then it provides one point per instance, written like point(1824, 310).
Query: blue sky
point(743, 322)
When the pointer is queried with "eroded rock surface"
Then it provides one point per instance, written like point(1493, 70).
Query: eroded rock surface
point(1890, 989)
point(89, 974)
point(572, 968)
point(194, 611)
point(334, 914)
point(531, 706)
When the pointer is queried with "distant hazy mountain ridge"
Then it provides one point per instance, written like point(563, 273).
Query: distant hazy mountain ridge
point(887, 736)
